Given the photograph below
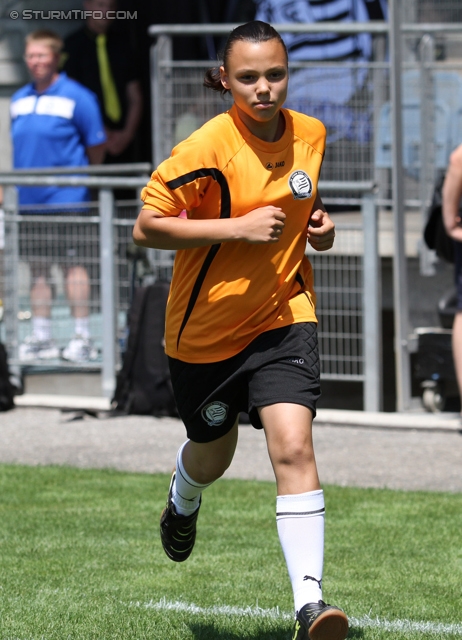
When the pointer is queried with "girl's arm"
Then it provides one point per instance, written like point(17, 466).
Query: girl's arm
point(260, 226)
point(321, 229)
point(452, 193)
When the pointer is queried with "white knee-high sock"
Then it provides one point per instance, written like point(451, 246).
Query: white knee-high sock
point(300, 524)
point(186, 492)
point(41, 327)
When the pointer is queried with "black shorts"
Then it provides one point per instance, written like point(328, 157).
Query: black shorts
point(281, 365)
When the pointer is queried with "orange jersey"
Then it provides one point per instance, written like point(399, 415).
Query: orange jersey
point(225, 295)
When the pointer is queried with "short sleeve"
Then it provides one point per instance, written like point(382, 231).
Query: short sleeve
point(87, 118)
point(181, 182)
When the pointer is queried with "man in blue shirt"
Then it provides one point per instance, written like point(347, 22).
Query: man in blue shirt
point(56, 122)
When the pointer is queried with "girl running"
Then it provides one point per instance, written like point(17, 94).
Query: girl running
point(241, 324)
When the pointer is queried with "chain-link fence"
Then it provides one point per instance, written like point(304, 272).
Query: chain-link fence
point(70, 268)
point(87, 257)
point(417, 64)
point(363, 135)
point(181, 104)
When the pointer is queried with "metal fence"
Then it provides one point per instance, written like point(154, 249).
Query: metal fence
point(181, 104)
point(348, 306)
point(347, 291)
point(95, 236)
point(396, 130)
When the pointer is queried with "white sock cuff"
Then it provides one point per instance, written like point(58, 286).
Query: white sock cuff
point(41, 327)
point(300, 505)
point(181, 471)
point(82, 327)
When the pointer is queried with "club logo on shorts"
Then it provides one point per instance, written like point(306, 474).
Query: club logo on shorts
point(301, 185)
point(215, 413)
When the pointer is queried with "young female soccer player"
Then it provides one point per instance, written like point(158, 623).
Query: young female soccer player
point(241, 324)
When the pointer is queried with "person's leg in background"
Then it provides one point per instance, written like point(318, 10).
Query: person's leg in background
point(78, 295)
point(41, 299)
point(80, 348)
point(457, 324)
point(457, 349)
point(39, 345)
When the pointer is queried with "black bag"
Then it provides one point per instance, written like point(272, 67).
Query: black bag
point(7, 389)
point(435, 235)
point(143, 383)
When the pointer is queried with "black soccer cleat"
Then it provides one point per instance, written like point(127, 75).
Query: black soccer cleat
point(320, 621)
point(177, 532)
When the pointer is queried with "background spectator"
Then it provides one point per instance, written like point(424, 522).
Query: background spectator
point(452, 195)
point(101, 56)
point(55, 122)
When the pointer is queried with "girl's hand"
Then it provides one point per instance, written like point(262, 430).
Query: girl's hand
point(262, 225)
point(321, 230)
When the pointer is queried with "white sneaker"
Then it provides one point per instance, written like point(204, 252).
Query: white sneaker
point(34, 349)
point(80, 349)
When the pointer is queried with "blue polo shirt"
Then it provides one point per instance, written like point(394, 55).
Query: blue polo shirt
point(53, 129)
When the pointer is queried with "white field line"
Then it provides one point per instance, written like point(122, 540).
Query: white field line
point(257, 612)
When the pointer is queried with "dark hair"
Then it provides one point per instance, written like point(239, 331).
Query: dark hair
point(256, 32)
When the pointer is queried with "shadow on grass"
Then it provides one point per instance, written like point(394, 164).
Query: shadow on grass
point(209, 632)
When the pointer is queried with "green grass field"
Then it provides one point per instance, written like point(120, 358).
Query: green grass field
point(80, 558)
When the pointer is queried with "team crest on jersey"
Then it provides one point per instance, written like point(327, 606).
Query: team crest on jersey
point(301, 185)
point(215, 413)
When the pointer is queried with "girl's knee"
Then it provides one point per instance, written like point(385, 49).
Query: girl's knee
point(298, 453)
point(207, 462)
point(205, 471)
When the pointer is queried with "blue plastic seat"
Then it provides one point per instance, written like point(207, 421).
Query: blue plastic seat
point(412, 136)
point(447, 87)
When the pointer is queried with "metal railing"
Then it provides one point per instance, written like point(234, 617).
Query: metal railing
point(406, 135)
point(361, 344)
point(348, 290)
point(101, 225)
point(349, 313)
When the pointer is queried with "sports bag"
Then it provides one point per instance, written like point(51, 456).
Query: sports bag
point(143, 384)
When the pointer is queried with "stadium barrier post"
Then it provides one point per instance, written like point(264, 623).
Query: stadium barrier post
point(106, 211)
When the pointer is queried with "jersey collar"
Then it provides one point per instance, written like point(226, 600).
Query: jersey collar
point(261, 145)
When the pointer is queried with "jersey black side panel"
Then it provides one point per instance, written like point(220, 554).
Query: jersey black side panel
point(225, 212)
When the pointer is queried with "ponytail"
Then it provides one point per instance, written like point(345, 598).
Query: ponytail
point(212, 80)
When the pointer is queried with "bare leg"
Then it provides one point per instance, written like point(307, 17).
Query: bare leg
point(39, 344)
point(457, 348)
point(300, 500)
point(288, 430)
point(40, 297)
point(207, 461)
point(78, 291)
